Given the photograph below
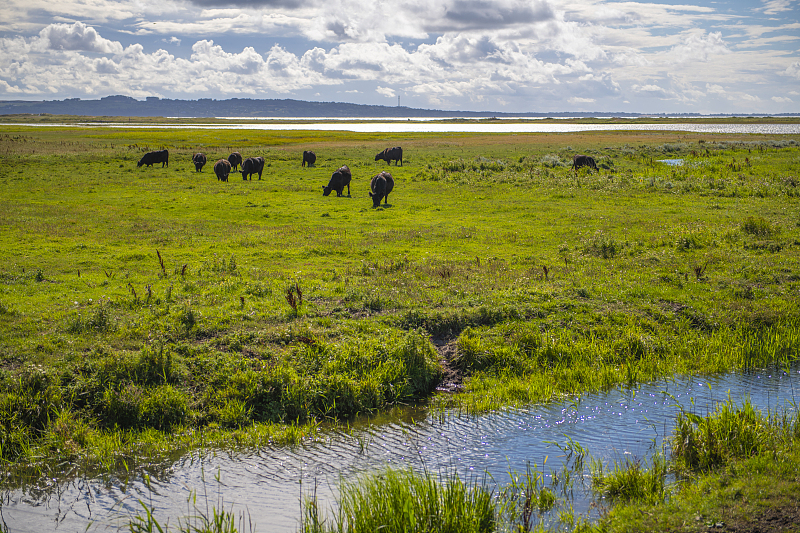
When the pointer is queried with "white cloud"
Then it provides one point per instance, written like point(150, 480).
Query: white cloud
point(75, 37)
point(781, 99)
point(527, 54)
point(697, 47)
point(793, 70)
point(649, 89)
point(773, 7)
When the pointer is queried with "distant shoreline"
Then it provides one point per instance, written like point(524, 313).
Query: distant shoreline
point(103, 120)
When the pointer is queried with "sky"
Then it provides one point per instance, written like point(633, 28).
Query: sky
point(508, 56)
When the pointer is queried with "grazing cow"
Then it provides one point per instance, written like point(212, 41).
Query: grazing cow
point(150, 158)
point(309, 157)
point(235, 159)
point(199, 161)
point(381, 185)
point(250, 166)
point(339, 179)
point(391, 154)
point(222, 168)
point(579, 161)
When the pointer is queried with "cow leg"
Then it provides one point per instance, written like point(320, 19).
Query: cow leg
point(348, 189)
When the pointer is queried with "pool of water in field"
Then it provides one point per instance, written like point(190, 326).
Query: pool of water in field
point(671, 162)
point(265, 485)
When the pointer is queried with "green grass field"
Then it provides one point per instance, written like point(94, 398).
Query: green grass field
point(145, 311)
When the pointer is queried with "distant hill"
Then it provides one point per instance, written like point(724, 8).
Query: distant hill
point(125, 106)
point(244, 107)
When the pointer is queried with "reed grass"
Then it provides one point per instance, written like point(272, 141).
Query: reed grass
point(406, 501)
point(730, 465)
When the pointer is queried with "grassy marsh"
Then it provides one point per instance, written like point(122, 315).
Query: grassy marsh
point(144, 311)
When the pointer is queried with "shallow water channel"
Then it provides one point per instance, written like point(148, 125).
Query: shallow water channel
point(265, 484)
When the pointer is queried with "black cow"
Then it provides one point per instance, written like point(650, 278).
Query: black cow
point(391, 154)
point(222, 168)
point(579, 161)
point(381, 185)
point(199, 161)
point(339, 179)
point(309, 157)
point(150, 158)
point(235, 159)
point(250, 166)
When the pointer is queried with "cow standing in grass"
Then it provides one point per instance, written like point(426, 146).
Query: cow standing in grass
point(252, 165)
point(151, 158)
point(380, 187)
point(339, 179)
point(222, 168)
point(235, 159)
point(391, 154)
point(579, 161)
point(309, 157)
point(199, 161)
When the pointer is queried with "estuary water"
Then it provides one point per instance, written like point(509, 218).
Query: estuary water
point(265, 485)
point(413, 126)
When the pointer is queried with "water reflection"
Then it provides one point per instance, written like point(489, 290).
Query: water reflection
point(267, 483)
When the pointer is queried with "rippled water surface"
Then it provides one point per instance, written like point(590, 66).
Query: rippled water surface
point(266, 483)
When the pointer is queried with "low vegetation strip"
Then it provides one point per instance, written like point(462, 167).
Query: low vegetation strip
point(148, 310)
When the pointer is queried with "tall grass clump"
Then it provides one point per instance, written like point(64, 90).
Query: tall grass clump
point(759, 227)
point(99, 320)
point(405, 501)
point(730, 432)
point(526, 499)
point(602, 245)
point(631, 480)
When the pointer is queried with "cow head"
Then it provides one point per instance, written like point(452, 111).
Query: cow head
point(326, 191)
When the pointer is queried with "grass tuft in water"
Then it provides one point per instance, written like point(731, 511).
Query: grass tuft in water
point(405, 501)
point(631, 480)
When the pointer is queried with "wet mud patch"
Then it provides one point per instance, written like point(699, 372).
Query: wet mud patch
point(779, 518)
point(452, 376)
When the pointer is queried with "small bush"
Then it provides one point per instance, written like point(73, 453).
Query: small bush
point(552, 161)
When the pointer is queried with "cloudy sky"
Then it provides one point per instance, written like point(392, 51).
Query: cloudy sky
point(481, 55)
